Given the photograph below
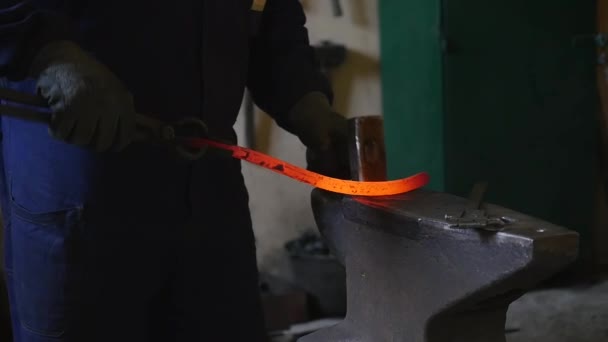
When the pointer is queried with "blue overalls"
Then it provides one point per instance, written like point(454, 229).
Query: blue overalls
point(142, 245)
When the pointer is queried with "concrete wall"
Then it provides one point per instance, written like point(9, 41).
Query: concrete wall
point(280, 206)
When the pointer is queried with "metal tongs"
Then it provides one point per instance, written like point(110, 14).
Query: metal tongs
point(25, 106)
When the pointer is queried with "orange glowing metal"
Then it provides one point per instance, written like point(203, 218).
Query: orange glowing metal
point(347, 187)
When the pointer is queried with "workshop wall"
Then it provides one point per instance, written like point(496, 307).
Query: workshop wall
point(280, 206)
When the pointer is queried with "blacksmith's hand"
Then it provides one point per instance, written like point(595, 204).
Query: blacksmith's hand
point(325, 134)
point(90, 106)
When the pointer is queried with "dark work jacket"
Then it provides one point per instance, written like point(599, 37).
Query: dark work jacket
point(134, 209)
point(177, 58)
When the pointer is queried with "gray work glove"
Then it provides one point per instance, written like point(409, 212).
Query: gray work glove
point(90, 105)
point(325, 134)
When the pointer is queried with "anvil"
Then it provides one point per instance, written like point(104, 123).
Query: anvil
point(432, 267)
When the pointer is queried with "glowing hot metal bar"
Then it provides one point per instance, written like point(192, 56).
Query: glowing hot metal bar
point(355, 188)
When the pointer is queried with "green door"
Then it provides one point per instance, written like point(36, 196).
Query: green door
point(497, 91)
point(412, 88)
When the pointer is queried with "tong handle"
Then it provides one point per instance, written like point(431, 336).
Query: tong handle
point(20, 104)
point(23, 98)
point(30, 107)
point(24, 113)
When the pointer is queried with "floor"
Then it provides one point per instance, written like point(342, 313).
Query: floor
point(573, 315)
point(565, 315)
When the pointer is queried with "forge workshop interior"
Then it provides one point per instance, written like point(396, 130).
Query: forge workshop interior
point(304, 170)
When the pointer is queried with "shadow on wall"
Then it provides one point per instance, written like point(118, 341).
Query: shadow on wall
point(358, 10)
point(263, 131)
point(358, 67)
point(360, 14)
